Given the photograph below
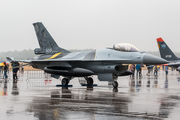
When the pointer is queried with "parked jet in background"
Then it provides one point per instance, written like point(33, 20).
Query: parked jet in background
point(107, 63)
point(167, 54)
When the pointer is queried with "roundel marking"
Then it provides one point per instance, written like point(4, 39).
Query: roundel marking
point(163, 46)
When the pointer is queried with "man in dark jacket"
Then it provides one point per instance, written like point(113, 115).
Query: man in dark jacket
point(15, 70)
point(5, 70)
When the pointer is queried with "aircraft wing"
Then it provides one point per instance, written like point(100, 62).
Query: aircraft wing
point(70, 60)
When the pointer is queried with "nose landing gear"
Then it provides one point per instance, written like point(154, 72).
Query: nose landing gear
point(115, 84)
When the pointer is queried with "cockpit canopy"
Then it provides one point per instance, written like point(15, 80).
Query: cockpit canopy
point(126, 47)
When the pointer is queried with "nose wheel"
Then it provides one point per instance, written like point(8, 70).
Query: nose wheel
point(115, 84)
point(64, 81)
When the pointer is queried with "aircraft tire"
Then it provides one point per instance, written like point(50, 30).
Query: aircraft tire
point(64, 81)
point(89, 81)
point(115, 84)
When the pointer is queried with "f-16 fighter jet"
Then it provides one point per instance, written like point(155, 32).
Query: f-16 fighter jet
point(167, 54)
point(107, 63)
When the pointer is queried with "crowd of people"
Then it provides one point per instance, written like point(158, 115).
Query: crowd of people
point(14, 66)
point(138, 69)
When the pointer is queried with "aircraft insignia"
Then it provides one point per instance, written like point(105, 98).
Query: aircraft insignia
point(163, 46)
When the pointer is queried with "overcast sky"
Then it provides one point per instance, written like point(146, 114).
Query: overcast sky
point(81, 24)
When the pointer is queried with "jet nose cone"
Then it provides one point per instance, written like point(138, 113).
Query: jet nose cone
point(151, 59)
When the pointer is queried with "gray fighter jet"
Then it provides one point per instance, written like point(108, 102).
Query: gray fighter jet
point(107, 64)
point(167, 54)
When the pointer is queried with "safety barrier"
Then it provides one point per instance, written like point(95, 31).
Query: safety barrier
point(38, 75)
point(38, 79)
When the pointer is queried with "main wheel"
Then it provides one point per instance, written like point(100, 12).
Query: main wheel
point(115, 84)
point(89, 81)
point(64, 81)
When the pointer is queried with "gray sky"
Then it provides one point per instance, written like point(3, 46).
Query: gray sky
point(81, 24)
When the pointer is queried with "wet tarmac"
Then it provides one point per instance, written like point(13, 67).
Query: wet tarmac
point(36, 97)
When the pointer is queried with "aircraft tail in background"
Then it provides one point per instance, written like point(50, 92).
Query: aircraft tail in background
point(46, 42)
point(165, 51)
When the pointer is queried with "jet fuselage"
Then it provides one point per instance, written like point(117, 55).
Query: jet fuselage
point(93, 62)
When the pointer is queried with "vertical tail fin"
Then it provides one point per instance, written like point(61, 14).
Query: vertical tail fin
point(165, 51)
point(46, 42)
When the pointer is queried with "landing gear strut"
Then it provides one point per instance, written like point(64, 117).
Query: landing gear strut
point(64, 81)
point(89, 81)
point(115, 84)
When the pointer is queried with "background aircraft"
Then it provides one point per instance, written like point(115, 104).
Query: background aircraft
point(167, 54)
point(107, 63)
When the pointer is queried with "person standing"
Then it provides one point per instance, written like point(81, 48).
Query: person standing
point(163, 67)
point(22, 68)
point(148, 67)
point(155, 71)
point(138, 69)
point(166, 70)
point(132, 68)
point(7, 67)
point(15, 70)
point(5, 71)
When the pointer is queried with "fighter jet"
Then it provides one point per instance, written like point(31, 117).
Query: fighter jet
point(108, 63)
point(167, 54)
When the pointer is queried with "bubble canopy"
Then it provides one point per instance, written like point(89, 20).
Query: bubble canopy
point(125, 47)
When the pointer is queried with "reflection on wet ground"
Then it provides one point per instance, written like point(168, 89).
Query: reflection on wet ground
point(149, 97)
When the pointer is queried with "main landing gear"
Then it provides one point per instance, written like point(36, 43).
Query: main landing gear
point(89, 81)
point(65, 81)
point(115, 83)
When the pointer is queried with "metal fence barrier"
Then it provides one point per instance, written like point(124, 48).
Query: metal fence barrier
point(38, 75)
